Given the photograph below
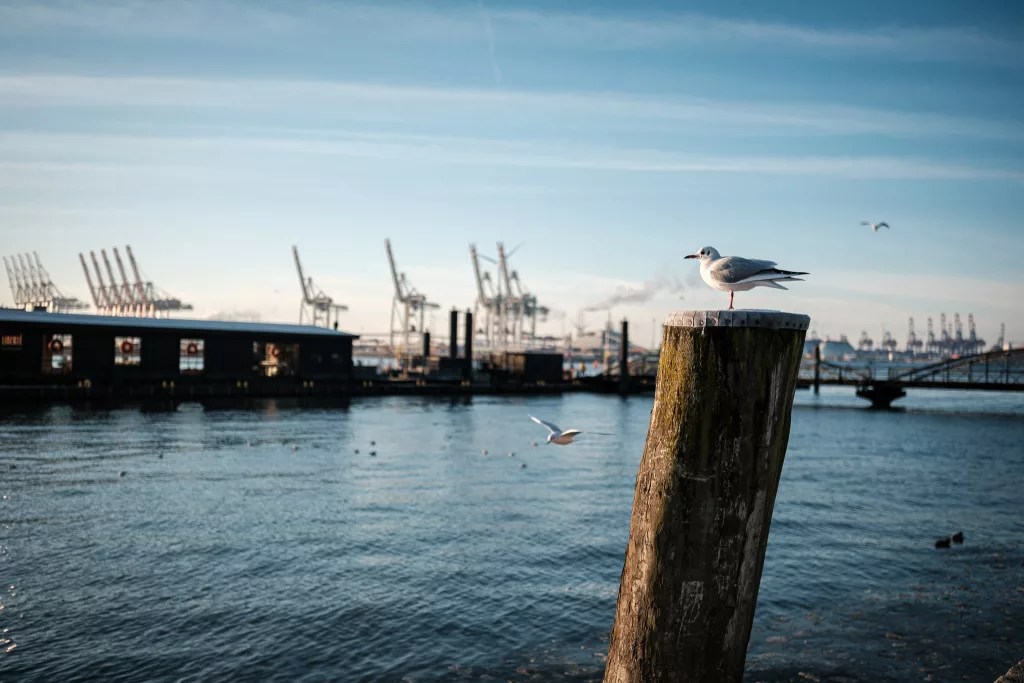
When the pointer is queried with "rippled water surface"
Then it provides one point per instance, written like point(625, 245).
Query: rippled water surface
point(378, 542)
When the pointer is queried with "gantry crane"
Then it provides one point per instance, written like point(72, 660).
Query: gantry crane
point(406, 305)
point(999, 345)
point(316, 308)
point(487, 301)
point(520, 307)
point(129, 297)
point(913, 343)
point(33, 288)
point(975, 344)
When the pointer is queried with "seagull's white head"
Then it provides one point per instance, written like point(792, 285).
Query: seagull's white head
point(705, 254)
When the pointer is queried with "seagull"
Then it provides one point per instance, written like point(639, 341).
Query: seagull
point(737, 274)
point(875, 226)
point(556, 434)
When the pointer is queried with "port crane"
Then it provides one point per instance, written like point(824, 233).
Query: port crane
point(487, 301)
point(129, 296)
point(316, 308)
point(33, 288)
point(408, 307)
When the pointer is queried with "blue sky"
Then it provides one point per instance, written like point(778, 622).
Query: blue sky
point(610, 141)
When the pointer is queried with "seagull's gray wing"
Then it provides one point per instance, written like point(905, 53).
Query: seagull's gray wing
point(571, 432)
point(733, 269)
point(883, 225)
point(553, 428)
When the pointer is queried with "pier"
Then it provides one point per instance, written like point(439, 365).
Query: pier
point(1001, 370)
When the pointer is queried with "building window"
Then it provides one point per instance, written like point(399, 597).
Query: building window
point(191, 356)
point(11, 342)
point(56, 354)
point(276, 360)
point(127, 351)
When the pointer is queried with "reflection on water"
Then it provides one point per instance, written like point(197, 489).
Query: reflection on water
point(374, 541)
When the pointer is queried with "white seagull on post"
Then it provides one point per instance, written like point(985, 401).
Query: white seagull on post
point(737, 274)
point(555, 433)
point(875, 226)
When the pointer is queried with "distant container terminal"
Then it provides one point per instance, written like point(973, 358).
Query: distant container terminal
point(132, 347)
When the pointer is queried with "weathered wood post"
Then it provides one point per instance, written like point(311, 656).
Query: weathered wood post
point(817, 368)
point(624, 358)
point(704, 495)
point(453, 334)
point(467, 346)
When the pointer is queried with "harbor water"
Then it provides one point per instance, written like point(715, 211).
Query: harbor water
point(408, 539)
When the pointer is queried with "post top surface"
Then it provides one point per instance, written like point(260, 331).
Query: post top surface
point(772, 320)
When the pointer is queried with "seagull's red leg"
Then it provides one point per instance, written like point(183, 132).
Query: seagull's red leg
point(730, 299)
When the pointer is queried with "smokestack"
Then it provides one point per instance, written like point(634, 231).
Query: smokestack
point(624, 358)
point(453, 334)
point(467, 344)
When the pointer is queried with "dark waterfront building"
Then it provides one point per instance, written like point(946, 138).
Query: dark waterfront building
point(91, 355)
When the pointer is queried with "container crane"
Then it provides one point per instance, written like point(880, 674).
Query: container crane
point(975, 344)
point(1000, 343)
point(406, 305)
point(487, 301)
point(127, 297)
point(865, 343)
point(913, 343)
point(316, 308)
point(33, 288)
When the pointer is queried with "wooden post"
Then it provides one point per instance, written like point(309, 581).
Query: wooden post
point(704, 495)
point(817, 368)
point(453, 334)
point(624, 358)
point(467, 345)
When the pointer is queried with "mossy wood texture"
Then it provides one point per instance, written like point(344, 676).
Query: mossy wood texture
point(704, 496)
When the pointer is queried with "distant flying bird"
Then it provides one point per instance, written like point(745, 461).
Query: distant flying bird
point(875, 226)
point(737, 274)
point(555, 433)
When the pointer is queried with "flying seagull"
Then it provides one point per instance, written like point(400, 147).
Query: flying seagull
point(556, 435)
point(875, 226)
point(737, 274)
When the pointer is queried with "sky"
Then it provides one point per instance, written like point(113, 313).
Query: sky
point(604, 141)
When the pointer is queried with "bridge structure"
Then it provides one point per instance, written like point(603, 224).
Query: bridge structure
point(1001, 370)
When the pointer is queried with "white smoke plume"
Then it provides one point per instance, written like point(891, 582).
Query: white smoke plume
point(663, 284)
point(236, 316)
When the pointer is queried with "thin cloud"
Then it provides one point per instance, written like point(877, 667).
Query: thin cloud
point(938, 43)
point(489, 35)
point(179, 152)
point(390, 101)
point(445, 24)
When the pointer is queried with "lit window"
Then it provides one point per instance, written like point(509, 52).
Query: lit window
point(56, 354)
point(277, 360)
point(191, 355)
point(127, 351)
point(11, 341)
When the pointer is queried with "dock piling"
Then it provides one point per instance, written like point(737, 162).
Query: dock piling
point(817, 369)
point(468, 347)
point(704, 495)
point(624, 358)
point(453, 334)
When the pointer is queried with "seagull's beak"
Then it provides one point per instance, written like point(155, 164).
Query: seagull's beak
point(692, 256)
